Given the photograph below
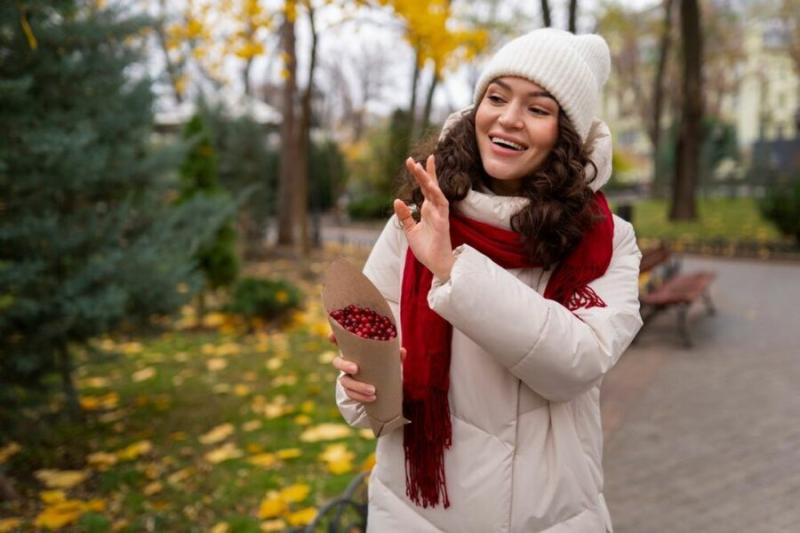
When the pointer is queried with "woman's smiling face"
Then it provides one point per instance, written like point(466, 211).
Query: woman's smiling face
point(516, 126)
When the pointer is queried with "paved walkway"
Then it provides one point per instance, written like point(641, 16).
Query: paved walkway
point(707, 439)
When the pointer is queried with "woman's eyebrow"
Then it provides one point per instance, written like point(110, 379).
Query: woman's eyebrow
point(507, 87)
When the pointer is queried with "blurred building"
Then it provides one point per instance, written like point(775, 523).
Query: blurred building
point(763, 106)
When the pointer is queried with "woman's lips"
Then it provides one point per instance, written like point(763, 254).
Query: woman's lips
point(503, 151)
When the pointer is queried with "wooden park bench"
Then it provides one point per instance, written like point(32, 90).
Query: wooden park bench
point(668, 287)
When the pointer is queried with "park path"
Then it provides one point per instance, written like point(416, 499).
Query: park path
point(707, 439)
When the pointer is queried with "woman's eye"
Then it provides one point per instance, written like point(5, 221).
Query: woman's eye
point(494, 99)
point(539, 111)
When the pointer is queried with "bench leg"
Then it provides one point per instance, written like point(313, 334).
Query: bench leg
point(709, 304)
point(683, 324)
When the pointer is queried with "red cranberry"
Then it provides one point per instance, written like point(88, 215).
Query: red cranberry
point(365, 322)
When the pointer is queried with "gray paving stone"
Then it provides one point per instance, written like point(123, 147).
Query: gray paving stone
point(709, 441)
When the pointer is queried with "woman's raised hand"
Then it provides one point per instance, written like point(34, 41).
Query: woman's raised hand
point(429, 238)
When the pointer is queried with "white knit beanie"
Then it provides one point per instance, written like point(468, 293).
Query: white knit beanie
point(573, 68)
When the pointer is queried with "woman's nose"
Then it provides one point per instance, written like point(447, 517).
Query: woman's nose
point(510, 117)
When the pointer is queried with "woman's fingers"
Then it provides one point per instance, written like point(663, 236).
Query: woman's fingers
point(358, 390)
point(426, 178)
point(343, 365)
point(404, 215)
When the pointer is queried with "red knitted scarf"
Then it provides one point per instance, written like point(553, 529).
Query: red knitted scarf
point(427, 336)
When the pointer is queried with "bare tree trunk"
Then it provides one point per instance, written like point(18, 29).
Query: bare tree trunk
point(546, 13)
point(7, 491)
point(246, 77)
point(172, 70)
point(288, 158)
point(73, 408)
point(573, 15)
point(304, 142)
point(426, 115)
point(687, 156)
point(412, 107)
point(658, 86)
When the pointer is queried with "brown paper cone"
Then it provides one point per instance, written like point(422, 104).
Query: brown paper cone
point(378, 361)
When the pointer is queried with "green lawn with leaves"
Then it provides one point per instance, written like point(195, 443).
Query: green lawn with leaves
point(727, 218)
point(190, 429)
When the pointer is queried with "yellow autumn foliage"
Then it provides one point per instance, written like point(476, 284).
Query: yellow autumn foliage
point(327, 431)
point(135, 450)
point(295, 493)
point(61, 479)
point(217, 434)
point(302, 517)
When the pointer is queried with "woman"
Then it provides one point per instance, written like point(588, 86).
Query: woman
point(516, 291)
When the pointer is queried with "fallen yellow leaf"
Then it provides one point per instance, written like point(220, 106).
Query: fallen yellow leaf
point(302, 420)
point(135, 450)
point(274, 364)
point(295, 493)
point(326, 431)
point(326, 358)
point(102, 460)
point(61, 479)
point(241, 389)
point(289, 453)
point(61, 514)
point(95, 382)
point(251, 425)
point(225, 452)
point(51, 497)
point(179, 475)
point(273, 525)
point(221, 527)
point(212, 320)
point(340, 467)
point(302, 517)
point(368, 463)
point(272, 506)
point(143, 374)
point(366, 434)
point(95, 403)
point(152, 488)
point(96, 505)
point(217, 434)
point(8, 450)
point(216, 363)
point(9, 524)
point(263, 459)
point(288, 380)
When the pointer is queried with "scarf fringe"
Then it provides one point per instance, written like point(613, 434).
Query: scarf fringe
point(584, 297)
point(424, 448)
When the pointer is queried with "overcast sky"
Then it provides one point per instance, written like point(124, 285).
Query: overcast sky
point(341, 41)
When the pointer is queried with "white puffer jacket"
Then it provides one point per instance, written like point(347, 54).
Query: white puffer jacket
point(525, 378)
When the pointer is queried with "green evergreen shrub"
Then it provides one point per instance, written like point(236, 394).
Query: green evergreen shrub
point(781, 206)
point(371, 207)
point(266, 299)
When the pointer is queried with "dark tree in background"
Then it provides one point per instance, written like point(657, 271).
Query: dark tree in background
point(690, 136)
point(90, 236)
point(217, 257)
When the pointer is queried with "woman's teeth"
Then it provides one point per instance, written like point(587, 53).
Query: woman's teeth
point(507, 144)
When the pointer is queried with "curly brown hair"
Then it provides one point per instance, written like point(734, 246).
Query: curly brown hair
point(561, 206)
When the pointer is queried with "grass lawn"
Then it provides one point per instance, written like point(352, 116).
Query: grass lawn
point(188, 429)
point(727, 218)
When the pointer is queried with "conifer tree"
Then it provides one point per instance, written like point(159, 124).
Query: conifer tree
point(217, 257)
point(90, 236)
